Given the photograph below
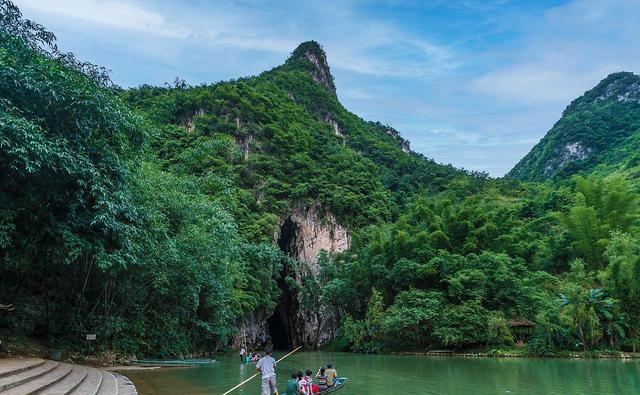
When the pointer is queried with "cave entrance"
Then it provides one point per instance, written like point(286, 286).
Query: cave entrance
point(282, 323)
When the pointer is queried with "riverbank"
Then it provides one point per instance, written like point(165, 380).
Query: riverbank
point(64, 351)
point(520, 353)
point(20, 346)
point(23, 347)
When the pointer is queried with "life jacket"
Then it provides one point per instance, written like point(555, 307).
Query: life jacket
point(305, 386)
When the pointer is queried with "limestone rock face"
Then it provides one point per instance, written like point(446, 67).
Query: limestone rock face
point(337, 130)
point(189, 122)
point(253, 332)
point(322, 75)
point(303, 235)
point(312, 52)
point(315, 231)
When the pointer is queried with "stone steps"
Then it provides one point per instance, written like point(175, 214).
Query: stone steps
point(26, 375)
point(109, 384)
point(69, 383)
point(91, 383)
point(34, 376)
point(13, 366)
point(125, 386)
point(41, 383)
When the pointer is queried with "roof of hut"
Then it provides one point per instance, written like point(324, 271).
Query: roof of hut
point(520, 322)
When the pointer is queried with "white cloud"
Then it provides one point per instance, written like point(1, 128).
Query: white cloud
point(114, 14)
point(539, 83)
point(242, 40)
point(380, 49)
point(356, 44)
point(565, 53)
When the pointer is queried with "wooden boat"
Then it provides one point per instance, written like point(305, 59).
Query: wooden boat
point(172, 362)
point(338, 383)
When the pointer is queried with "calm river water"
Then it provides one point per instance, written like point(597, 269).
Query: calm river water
point(396, 374)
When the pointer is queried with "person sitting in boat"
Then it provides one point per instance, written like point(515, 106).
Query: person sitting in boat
point(293, 387)
point(322, 379)
point(309, 380)
point(302, 382)
point(249, 357)
point(256, 357)
point(332, 374)
point(313, 389)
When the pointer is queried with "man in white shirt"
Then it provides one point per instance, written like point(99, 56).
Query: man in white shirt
point(242, 352)
point(267, 366)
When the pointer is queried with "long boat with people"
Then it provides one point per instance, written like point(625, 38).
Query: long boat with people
point(303, 383)
point(338, 383)
point(300, 383)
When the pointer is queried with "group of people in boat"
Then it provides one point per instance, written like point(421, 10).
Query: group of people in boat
point(248, 357)
point(302, 383)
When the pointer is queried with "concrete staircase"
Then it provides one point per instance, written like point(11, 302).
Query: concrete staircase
point(31, 376)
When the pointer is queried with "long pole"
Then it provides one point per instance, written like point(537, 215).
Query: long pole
point(254, 376)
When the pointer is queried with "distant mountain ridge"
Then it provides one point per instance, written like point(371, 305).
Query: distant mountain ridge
point(599, 131)
point(294, 133)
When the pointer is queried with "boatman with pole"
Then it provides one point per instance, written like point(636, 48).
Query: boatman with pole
point(272, 384)
point(267, 366)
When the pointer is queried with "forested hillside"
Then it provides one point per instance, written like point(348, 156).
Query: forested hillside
point(95, 236)
point(170, 220)
point(599, 131)
point(283, 137)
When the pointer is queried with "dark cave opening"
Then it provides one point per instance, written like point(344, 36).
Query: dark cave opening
point(279, 323)
point(282, 323)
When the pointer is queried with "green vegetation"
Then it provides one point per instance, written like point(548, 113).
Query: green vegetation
point(272, 138)
point(455, 272)
point(95, 237)
point(598, 132)
point(148, 216)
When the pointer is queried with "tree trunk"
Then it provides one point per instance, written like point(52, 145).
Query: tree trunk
point(46, 291)
point(584, 343)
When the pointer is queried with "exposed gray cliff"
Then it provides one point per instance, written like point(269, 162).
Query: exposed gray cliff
point(302, 235)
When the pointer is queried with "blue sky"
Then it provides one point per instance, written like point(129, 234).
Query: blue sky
point(473, 83)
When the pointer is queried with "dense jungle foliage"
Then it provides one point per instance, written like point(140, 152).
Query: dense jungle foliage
point(461, 271)
point(147, 216)
point(95, 237)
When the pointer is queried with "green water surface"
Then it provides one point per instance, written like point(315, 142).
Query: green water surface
point(400, 374)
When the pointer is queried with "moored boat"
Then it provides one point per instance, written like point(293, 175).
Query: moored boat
point(172, 363)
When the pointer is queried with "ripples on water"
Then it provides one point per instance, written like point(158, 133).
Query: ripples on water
point(400, 374)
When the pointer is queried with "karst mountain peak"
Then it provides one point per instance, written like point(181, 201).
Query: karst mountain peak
point(311, 56)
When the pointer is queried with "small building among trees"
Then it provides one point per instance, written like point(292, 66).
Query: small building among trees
point(521, 329)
